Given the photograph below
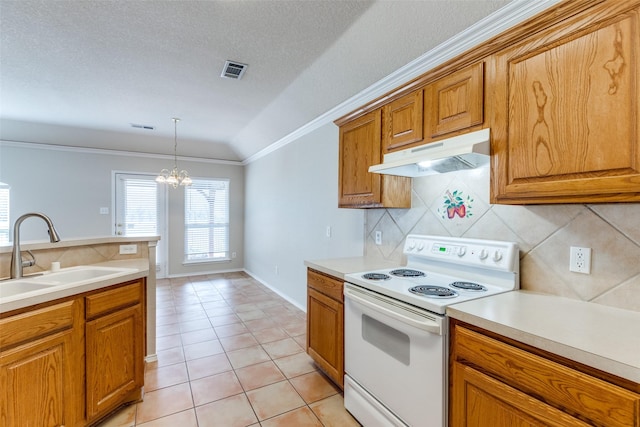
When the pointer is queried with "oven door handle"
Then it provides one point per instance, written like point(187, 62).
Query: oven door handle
point(392, 310)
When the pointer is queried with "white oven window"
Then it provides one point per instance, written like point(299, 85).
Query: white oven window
point(387, 339)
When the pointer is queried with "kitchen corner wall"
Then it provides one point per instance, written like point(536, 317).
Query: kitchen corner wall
point(457, 204)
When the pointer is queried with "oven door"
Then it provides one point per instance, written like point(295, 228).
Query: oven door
point(395, 361)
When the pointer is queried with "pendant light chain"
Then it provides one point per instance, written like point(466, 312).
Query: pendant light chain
point(173, 177)
point(175, 142)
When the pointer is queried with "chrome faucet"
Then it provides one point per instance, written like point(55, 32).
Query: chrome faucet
point(16, 257)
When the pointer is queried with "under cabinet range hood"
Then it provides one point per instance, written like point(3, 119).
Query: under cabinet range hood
point(462, 152)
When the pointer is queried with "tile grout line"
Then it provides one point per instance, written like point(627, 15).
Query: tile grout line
point(227, 298)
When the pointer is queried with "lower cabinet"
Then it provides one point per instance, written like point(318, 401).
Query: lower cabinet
point(41, 367)
point(325, 324)
point(497, 383)
point(74, 361)
point(115, 348)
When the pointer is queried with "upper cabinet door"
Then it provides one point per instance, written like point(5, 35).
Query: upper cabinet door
point(359, 149)
point(455, 102)
point(402, 121)
point(566, 123)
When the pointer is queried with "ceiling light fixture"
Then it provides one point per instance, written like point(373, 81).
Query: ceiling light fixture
point(173, 177)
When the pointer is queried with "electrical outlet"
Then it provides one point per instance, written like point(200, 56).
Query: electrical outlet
point(580, 260)
point(327, 231)
point(128, 249)
point(378, 237)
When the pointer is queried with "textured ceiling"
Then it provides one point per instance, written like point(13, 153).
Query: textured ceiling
point(81, 72)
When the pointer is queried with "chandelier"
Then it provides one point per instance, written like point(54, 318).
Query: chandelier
point(173, 177)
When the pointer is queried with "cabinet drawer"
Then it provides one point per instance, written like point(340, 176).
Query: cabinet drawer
point(327, 285)
point(114, 299)
point(36, 323)
point(557, 385)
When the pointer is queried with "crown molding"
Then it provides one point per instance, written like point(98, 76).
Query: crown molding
point(502, 19)
point(67, 148)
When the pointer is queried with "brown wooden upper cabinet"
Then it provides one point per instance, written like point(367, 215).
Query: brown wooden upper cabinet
point(360, 147)
point(402, 121)
point(566, 123)
point(455, 102)
point(448, 105)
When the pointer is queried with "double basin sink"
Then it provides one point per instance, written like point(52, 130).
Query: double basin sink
point(67, 276)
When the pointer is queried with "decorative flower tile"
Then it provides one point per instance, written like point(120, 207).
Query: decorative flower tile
point(457, 208)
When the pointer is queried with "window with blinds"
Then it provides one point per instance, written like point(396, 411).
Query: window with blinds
point(140, 212)
point(206, 220)
point(4, 212)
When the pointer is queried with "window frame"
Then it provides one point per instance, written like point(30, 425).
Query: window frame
point(212, 225)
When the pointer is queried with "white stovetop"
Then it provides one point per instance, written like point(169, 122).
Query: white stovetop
point(398, 288)
point(596, 335)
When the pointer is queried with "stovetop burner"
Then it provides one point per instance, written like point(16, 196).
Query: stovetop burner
point(433, 291)
point(468, 286)
point(376, 276)
point(406, 272)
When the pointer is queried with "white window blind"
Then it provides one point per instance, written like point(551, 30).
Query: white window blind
point(206, 220)
point(4, 213)
point(140, 208)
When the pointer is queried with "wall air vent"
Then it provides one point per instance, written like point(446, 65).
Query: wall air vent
point(145, 127)
point(233, 70)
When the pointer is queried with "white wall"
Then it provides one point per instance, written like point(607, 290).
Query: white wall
point(71, 185)
point(291, 197)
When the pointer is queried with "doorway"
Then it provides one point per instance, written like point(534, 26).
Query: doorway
point(141, 210)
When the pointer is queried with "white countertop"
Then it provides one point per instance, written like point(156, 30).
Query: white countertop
point(137, 268)
point(338, 267)
point(596, 335)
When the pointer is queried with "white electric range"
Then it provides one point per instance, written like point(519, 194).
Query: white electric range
point(396, 330)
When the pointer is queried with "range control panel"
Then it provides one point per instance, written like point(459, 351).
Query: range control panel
point(492, 254)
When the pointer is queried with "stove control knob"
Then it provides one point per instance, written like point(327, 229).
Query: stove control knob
point(462, 250)
point(497, 256)
point(412, 245)
point(483, 254)
point(420, 246)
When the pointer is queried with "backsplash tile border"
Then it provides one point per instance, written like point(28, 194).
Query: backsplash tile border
point(72, 256)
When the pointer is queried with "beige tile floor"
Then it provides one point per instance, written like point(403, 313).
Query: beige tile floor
point(231, 353)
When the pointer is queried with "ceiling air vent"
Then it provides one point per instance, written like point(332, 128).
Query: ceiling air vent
point(233, 70)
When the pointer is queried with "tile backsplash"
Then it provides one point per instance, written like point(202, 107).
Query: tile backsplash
point(457, 204)
point(71, 256)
